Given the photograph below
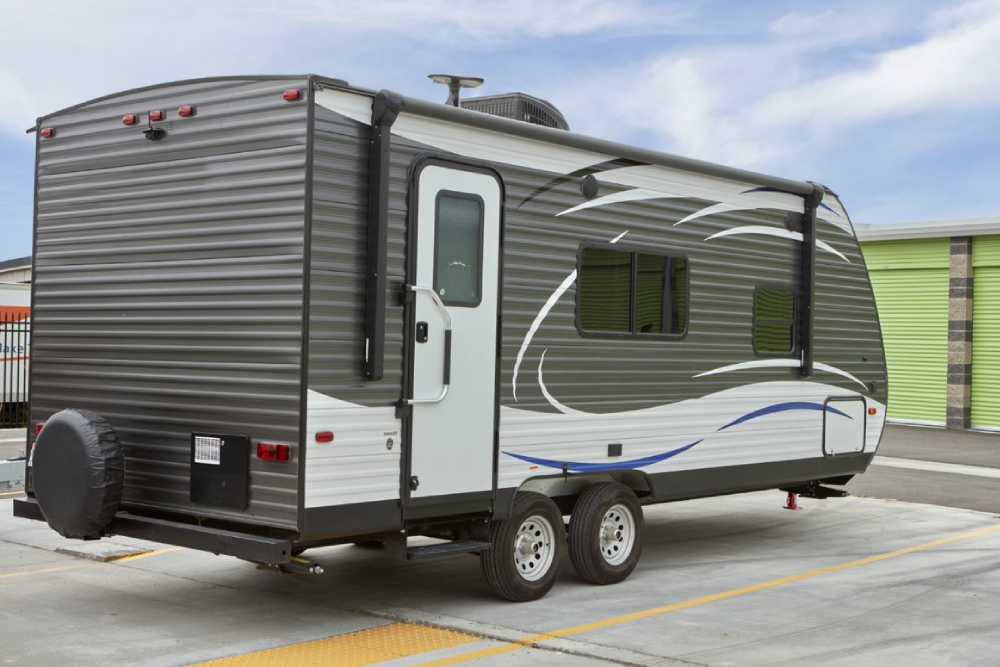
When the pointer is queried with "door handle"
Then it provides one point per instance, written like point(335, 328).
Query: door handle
point(447, 345)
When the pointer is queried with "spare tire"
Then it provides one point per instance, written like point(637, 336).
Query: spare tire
point(78, 471)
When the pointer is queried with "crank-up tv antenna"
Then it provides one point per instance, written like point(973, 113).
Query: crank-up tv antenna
point(455, 84)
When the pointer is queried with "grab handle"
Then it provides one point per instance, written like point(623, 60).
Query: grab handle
point(447, 346)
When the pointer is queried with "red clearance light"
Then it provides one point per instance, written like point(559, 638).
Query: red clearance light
point(157, 115)
point(48, 132)
point(324, 436)
point(186, 111)
point(269, 452)
point(130, 119)
point(38, 428)
point(292, 95)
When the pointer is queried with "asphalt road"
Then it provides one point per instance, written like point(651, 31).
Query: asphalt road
point(937, 487)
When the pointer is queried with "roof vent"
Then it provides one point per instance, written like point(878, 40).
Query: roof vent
point(519, 107)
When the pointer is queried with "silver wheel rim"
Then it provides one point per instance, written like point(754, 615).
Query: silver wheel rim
point(617, 535)
point(534, 548)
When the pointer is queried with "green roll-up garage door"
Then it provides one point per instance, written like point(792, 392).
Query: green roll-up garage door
point(910, 279)
point(986, 332)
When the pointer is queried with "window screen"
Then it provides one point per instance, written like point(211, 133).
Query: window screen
point(631, 293)
point(458, 251)
point(773, 320)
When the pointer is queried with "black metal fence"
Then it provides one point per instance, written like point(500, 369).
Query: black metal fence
point(15, 327)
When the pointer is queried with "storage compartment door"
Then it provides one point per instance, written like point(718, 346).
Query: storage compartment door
point(844, 425)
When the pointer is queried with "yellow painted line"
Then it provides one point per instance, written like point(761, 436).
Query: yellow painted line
point(367, 647)
point(11, 493)
point(47, 570)
point(124, 559)
point(528, 642)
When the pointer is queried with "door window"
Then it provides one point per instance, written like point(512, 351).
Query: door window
point(458, 251)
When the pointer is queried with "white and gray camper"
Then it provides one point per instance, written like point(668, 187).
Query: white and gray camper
point(276, 313)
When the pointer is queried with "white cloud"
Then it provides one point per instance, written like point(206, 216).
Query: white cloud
point(957, 67)
point(757, 100)
point(738, 83)
point(72, 50)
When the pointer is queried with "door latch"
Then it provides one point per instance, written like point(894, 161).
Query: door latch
point(421, 332)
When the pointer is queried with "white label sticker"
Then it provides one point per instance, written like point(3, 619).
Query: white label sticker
point(207, 450)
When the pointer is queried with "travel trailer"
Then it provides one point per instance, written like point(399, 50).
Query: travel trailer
point(277, 313)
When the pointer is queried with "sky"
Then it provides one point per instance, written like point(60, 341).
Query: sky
point(892, 104)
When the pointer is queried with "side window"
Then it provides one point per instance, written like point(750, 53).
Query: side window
point(458, 252)
point(625, 292)
point(773, 320)
point(604, 281)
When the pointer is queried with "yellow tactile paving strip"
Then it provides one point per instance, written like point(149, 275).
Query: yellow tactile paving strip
point(356, 649)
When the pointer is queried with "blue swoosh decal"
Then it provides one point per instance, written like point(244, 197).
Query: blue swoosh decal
point(782, 407)
point(576, 466)
point(579, 466)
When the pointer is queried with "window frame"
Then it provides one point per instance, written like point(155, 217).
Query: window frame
point(457, 194)
point(633, 250)
point(794, 351)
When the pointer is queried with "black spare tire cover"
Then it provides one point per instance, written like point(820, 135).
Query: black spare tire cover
point(78, 471)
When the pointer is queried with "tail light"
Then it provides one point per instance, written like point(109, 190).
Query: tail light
point(38, 428)
point(324, 436)
point(270, 452)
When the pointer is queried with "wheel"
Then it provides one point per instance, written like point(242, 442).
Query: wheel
point(523, 562)
point(605, 533)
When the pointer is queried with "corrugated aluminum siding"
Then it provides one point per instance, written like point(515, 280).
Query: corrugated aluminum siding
point(339, 261)
point(910, 279)
point(358, 467)
point(603, 374)
point(986, 332)
point(168, 280)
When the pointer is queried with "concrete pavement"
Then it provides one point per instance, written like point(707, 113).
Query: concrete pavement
point(723, 581)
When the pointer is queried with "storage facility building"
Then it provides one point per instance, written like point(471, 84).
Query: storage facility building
point(937, 286)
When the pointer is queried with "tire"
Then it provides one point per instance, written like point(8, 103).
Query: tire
point(605, 533)
point(527, 548)
point(78, 473)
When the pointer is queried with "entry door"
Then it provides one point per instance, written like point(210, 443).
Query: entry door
point(456, 285)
